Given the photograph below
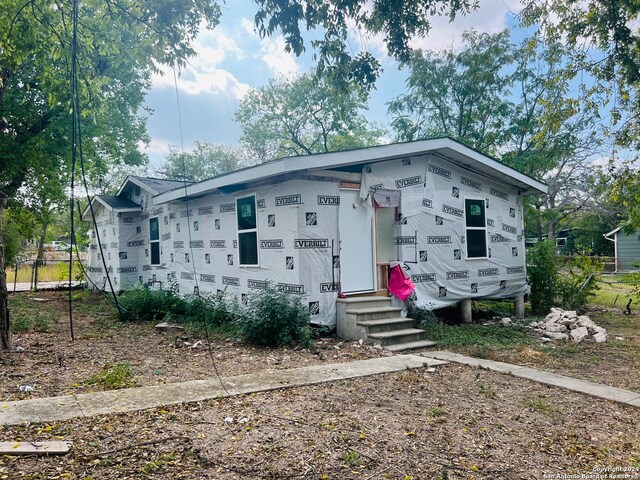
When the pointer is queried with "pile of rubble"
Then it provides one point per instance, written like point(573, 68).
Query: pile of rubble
point(568, 325)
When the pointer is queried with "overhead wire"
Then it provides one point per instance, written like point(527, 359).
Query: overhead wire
point(77, 153)
point(188, 217)
point(74, 133)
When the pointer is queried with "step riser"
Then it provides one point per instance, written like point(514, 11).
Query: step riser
point(388, 327)
point(412, 337)
point(377, 303)
point(361, 317)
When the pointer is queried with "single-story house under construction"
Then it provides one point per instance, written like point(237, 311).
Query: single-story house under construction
point(323, 226)
point(626, 248)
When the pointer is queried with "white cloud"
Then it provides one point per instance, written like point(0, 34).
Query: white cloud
point(203, 73)
point(490, 17)
point(272, 53)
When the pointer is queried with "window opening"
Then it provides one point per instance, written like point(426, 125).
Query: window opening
point(476, 228)
point(247, 223)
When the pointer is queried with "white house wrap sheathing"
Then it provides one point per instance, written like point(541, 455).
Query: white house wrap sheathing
point(298, 245)
point(432, 230)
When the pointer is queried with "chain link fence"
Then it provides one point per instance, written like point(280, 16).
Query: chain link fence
point(618, 290)
point(29, 274)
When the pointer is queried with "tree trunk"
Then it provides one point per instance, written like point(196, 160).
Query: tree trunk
point(5, 325)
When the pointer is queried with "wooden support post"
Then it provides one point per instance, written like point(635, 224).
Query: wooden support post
point(518, 303)
point(465, 310)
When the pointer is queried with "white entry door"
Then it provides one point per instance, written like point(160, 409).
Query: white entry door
point(356, 244)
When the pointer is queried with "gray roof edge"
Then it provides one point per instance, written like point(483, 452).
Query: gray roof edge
point(134, 179)
point(345, 158)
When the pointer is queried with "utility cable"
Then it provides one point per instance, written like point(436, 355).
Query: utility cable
point(193, 263)
point(74, 134)
point(77, 152)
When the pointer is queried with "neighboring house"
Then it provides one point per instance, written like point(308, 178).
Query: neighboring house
point(325, 225)
point(626, 248)
point(562, 238)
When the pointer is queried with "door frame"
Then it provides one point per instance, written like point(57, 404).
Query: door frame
point(374, 246)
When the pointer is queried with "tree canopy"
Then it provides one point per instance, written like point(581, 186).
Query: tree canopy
point(119, 43)
point(206, 160)
point(301, 116)
point(512, 101)
point(603, 40)
point(397, 21)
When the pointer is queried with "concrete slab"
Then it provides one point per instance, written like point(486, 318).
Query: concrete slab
point(474, 362)
point(54, 409)
point(576, 385)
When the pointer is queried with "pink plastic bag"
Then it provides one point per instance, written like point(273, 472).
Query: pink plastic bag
point(399, 284)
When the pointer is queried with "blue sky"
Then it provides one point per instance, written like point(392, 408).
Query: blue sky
point(232, 59)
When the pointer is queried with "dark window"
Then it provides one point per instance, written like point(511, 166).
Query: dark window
point(154, 240)
point(248, 248)
point(247, 231)
point(476, 231)
point(246, 212)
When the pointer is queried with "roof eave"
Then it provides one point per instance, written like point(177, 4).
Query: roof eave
point(526, 184)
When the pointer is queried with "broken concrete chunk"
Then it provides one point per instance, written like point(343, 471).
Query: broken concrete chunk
point(169, 327)
point(579, 334)
point(580, 328)
point(556, 328)
point(506, 322)
point(600, 337)
point(556, 336)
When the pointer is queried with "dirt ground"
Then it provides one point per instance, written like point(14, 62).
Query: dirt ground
point(52, 364)
point(455, 422)
point(615, 363)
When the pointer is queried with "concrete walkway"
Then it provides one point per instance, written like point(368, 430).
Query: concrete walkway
point(52, 409)
point(582, 386)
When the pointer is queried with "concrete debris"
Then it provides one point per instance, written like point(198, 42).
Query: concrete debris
point(568, 325)
point(167, 327)
point(506, 322)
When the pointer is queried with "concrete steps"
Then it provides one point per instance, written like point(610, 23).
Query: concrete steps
point(374, 319)
point(395, 337)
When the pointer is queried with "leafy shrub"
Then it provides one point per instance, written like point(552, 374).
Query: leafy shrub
point(570, 288)
point(215, 310)
point(113, 377)
point(274, 318)
point(575, 287)
point(142, 303)
point(543, 276)
point(422, 318)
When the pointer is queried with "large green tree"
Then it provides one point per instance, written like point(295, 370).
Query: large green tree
point(459, 94)
point(206, 160)
point(303, 115)
point(603, 40)
point(119, 42)
point(515, 102)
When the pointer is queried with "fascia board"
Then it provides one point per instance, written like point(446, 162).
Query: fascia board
point(615, 230)
point(350, 157)
point(498, 166)
point(250, 174)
